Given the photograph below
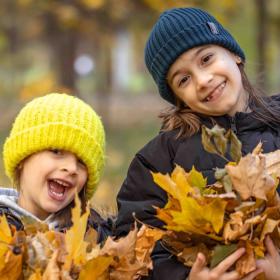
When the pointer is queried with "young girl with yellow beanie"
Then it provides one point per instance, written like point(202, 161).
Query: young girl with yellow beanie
point(55, 149)
point(198, 68)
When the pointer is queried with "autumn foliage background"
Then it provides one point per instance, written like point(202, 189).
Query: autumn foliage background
point(94, 49)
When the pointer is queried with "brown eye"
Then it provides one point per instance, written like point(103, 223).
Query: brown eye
point(56, 151)
point(184, 80)
point(206, 58)
point(81, 162)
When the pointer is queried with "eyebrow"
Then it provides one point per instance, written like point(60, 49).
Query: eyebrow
point(196, 53)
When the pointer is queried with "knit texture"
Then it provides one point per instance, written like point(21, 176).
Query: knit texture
point(176, 31)
point(57, 121)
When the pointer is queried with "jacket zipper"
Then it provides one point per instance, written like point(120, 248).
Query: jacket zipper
point(233, 125)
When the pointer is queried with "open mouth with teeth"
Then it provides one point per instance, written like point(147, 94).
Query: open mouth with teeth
point(216, 93)
point(57, 189)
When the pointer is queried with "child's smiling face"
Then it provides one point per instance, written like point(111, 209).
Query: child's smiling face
point(49, 180)
point(208, 80)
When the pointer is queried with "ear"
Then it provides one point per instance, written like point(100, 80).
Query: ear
point(238, 59)
point(20, 166)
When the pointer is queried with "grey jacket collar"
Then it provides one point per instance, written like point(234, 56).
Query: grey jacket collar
point(9, 198)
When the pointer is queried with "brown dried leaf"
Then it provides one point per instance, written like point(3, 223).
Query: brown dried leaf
point(258, 149)
point(41, 247)
point(247, 262)
point(189, 254)
point(272, 161)
point(235, 147)
point(249, 177)
point(214, 140)
point(235, 227)
point(32, 226)
point(269, 227)
point(36, 275)
point(260, 277)
point(91, 236)
point(275, 236)
point(146, 239)
point(52, 271)
point(124, 247)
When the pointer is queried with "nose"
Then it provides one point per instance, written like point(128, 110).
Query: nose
point(203, 79)
point(70, 164)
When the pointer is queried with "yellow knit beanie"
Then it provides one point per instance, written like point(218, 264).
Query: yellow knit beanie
point(57, 121)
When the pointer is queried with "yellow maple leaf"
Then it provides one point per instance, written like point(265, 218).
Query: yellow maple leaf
point(196, 179)
point(36, 275)
point(95, 268)
point(74, 237)
point(5, 231)
point(181, 179)
point(178, 191)
point(219, 216)
point(12, 266)
point(196, 214)
point(5, 239)
point(198, 218)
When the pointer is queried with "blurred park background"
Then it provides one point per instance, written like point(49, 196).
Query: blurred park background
point(94, 49)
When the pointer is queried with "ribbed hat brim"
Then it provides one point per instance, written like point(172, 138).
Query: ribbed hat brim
point(52, 135)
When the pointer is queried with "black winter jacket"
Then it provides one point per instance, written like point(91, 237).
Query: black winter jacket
point(139, 193)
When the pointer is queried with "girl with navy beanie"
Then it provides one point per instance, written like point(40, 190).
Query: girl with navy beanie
point(198, 68)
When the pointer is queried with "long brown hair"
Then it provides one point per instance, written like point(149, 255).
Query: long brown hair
point(188, 122)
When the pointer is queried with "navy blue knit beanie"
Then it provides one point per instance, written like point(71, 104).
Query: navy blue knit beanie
point(176, 31)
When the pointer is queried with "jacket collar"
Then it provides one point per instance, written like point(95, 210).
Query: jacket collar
point(241, 121)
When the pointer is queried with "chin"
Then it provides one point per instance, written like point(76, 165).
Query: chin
point(223, 111)
point(52, 209)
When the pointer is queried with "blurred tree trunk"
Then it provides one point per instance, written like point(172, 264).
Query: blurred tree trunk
point(63, 43)
point(262, 40)
point(103, 46)
point(65, 54)
point(11, 29)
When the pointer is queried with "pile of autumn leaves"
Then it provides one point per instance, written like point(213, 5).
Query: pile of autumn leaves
point(38, 253)
point(239, 210)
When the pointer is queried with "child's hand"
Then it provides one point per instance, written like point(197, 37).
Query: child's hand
point(200, 271)
point(271, 263)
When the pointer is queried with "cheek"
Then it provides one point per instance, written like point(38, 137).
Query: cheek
point(190, 99)
point(83, 180)
point(27, 177)
point(232, 70)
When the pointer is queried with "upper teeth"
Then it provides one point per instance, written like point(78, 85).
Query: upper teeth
point(61, 182)
point(209, 97)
